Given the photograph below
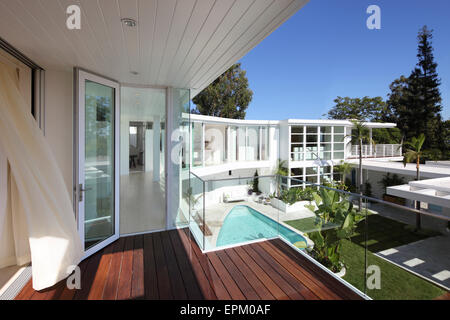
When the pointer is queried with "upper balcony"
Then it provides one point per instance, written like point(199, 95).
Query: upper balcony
point(377, 151)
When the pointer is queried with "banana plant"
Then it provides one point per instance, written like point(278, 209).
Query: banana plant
point(336, 219)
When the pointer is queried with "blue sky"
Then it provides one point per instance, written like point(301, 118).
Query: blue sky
point(325, 50)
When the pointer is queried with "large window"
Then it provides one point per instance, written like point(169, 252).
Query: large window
point(264, 143)
point(252, 149)
point(338, 146)
point(197, 140)
point(297, 143)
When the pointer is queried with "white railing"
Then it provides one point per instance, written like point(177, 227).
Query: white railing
point(377, 151)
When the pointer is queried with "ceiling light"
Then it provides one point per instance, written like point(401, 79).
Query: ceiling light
point(129, 22)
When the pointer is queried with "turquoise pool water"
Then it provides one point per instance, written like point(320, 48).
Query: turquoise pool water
point(244, 224)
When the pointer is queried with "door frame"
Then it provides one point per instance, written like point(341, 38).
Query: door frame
point(80, 76)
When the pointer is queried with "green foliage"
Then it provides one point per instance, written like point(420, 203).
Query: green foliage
point(391, 180)
point(336, 219)
point(295, 194)
point(281, 169)
point(343, 168)
point(227, 97)
point(416, 100)
point(387, 135)
point(363, 109)
point(367, 189)
point(255, 183)
point(191, 198)
point(414, 153)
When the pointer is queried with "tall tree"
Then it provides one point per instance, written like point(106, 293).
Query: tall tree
point(227, 97)
point(363, 109)
point(360, 134)
point(414, 153)
point(416, 100)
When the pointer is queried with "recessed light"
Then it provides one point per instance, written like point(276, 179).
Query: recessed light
point(129, 22)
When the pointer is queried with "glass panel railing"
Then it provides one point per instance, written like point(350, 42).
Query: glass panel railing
point(331, 222)
point(373, 245)
point(406, 261)
point(239, 210)
point(194, 196)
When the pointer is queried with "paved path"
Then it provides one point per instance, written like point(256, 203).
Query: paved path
point(429, 258)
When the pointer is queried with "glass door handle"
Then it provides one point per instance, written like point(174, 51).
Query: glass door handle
point(81, 190)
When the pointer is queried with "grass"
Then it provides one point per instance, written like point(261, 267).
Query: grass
point(384, 233)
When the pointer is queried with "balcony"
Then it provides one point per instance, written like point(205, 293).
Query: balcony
point(377, 151)
point(170, 265)
point(361, 233)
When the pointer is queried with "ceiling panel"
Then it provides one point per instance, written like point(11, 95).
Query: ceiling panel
point(181, 43)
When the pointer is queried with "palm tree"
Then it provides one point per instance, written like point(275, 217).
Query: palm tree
point(281, 168)
point(360, 133)
point(343, 168)
point(414, 153)
point(280, 171)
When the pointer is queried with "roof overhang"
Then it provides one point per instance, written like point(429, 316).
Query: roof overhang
point(434, 191)
point(182, 44)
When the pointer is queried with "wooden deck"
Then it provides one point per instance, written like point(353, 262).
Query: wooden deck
point(170, 265)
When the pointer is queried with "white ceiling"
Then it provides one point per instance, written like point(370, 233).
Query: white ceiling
point(180, 43)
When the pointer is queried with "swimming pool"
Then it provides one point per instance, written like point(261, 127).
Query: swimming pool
point(244, 224)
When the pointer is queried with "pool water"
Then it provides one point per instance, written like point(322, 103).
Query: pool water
point(244, 224)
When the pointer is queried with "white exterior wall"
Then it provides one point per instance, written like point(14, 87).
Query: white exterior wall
point(59, 120)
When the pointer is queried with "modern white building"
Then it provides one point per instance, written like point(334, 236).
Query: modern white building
point(309, 149)
point(98, 147)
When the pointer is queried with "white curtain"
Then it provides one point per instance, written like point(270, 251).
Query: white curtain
point(37, 222)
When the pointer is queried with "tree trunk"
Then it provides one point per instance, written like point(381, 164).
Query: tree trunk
point(360, 174)
point(418, 215)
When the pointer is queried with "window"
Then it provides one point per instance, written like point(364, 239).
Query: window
point(31, 80)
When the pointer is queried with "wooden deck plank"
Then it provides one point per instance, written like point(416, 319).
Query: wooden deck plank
point(87, 277)
point(227, 279)
point(162, 272)
point(112, 280)
point(69, 294)
point(137, 280)
point(273, 287)
point(199, 274)
point(332, 283)
point(176, 280)
point(126, 271)
point(297, 284)
point(318, 287)
point(214, 280)
point(252, 279)
point(150, 279)
point(237, 276)
point(274, 274)
point(101, 275)
point(170, 265)
point(192, 287)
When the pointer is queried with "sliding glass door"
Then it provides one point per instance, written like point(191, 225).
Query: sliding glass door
point(97, 188)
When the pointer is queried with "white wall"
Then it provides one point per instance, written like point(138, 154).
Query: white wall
point(374, 177)
point(59, 120)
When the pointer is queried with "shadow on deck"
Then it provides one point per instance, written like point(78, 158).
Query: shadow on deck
point(170, 265)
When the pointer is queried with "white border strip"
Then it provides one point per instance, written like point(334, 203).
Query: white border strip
point(16, 283)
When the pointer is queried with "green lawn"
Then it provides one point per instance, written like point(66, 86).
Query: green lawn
point(384, 233)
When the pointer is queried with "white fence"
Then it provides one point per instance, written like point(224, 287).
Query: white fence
point(377, 151)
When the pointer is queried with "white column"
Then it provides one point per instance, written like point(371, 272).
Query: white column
point(156, 148)
point(203, 144)
point(370, 141)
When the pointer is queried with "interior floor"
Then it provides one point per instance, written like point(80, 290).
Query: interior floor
point(142, 203)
